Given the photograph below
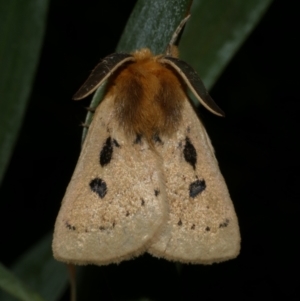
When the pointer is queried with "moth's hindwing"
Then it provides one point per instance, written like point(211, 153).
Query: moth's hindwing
point(202, 226)
point(115, 202)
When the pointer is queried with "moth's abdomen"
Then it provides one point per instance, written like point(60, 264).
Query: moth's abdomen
point(148, 97)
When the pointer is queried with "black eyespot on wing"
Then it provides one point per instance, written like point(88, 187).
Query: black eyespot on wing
point(196, 188)
point(127, 213)
point(224, 224)
point(157, 139)
point(207, 229)
point(138, 139)
point(70, 227)
point(116, 143)
point(189, 152)
point(142, 202)
point(193, 227)
point(106, 152)
point(99, 186)
point(179, 223)
point(156, 192)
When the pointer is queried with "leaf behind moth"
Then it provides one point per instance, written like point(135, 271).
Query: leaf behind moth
point(152, 24)
point(14, 286)
point(22, 25)
point(214, 33)
point(36, 271)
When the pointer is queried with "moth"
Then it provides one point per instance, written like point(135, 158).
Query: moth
point(147, 179)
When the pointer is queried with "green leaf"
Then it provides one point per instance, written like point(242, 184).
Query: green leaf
point(22, 25)
point(215, 32)
point(152, 24)
point(38, 271)
point(15, 287)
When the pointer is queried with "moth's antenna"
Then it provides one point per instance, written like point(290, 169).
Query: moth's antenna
point(176, 34)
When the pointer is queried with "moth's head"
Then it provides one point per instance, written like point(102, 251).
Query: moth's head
point(145, 53)
point(142, 54)
point(144, 62)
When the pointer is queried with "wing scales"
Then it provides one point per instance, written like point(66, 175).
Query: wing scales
point(110, 212)
point(202, 226)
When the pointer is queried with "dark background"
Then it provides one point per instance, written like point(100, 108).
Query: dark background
point(256, 145)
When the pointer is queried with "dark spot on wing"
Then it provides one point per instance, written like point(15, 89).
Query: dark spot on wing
point(157, 139)
point(138, 139)
point(70, 227)
point(99, 186)
point(102, 228)
point(224, 224)
point(156, 192)
point(106, 152)
point(189, 152)
point(127, 213)
point(142, 202)
point(197, 187)
point(207, 229)
point(179, 223)
point(114, 223)
point(193, 227)
point(115, 142)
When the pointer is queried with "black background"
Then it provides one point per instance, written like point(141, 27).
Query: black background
point(256, 145)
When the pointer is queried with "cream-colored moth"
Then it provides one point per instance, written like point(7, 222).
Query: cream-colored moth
point(147, 179)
